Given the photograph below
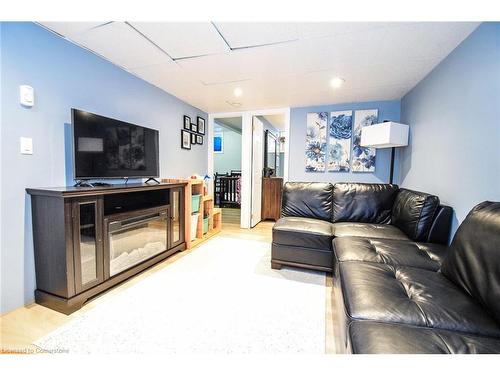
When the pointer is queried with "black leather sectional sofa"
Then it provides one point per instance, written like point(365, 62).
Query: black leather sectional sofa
point(315, 213)
point(404, 295)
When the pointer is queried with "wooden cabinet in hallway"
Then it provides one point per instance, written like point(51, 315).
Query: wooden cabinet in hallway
point(271, 197)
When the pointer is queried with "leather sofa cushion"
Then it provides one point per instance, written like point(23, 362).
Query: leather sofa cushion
point(363, 203)
point(473, 261)
point(368, 230)
point(382, 338)
point(307, 199)
point(411, 296)
point(414, 212)
point(303, 232)
point(392, 252)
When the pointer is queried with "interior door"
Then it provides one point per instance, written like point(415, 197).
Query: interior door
point(257, 168)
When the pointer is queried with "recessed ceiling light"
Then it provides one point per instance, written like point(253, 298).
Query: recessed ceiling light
point(337, 82)
point(238, 92)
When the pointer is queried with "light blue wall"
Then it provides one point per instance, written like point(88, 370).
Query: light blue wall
point(387, 110)
point(454, 121)
point(64, 76)
point(230, 159)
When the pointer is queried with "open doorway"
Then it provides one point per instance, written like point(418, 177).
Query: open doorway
point(227, 138)
point(252, 171)
point(268, 161)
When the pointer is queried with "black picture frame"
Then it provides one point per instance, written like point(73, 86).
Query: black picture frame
point(187, 122)
point(193, 138)
point(201, 125)
point(194, 127)
point(199, 140)
point(185, 143)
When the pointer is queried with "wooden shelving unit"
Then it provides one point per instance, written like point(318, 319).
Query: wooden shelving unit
point(195, 187)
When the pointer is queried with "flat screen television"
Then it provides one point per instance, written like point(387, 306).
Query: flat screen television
point(109, 148)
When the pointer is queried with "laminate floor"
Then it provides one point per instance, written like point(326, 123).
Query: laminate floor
point(21, 327)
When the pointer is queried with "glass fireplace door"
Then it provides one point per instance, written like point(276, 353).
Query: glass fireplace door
point(87, 227)
point(177, 220)
point(135, 239)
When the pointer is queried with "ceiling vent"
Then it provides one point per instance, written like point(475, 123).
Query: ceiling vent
point(233, 104)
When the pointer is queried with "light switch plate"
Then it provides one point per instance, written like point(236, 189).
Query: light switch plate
point(26, 146)
point(26, 95)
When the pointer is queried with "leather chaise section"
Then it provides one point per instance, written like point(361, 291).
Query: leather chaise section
point(303, 241)
point(388, 251)
point(414, 213)
point(411, 296)
point(368, 230)
point(307, 199)
point(363, 203)
point(383, 338)
point(304, 256)
point(474, 259)
point(303, 232)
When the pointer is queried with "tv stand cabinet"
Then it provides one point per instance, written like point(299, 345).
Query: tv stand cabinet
point(88, 239)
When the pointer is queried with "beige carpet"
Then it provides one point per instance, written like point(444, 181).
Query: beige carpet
point(221, 298)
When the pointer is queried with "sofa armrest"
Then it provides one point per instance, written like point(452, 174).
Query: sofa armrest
point(441, 226)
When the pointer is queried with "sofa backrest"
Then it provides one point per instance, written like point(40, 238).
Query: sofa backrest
point(414, 212)
point(473, 260)
point(441, 226)
point(307, 199)
point(364, 203)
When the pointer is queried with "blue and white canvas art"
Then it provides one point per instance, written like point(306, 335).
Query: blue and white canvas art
point(316, 141)
point(339, 141)
point(363, 158)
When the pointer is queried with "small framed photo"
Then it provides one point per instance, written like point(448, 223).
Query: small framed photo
point(185, 140)
point(199, 139)
point(201, 125)
point(193, 139)
point(187, 122)
point(194, 127)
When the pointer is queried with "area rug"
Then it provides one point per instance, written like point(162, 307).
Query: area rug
point(223, 297)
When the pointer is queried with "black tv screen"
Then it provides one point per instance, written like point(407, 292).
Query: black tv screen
point(108, 148)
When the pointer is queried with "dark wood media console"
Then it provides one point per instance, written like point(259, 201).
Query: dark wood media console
point(88, 239)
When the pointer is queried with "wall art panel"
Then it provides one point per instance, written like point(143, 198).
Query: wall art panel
point(339, 141)
point(316, 141)
point(363, 158)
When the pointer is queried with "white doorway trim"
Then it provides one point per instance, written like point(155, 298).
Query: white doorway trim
point(257, 168)
point(246, 153)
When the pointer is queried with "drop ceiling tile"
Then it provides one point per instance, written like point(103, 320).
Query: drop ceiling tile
point(121, 44)
point(390, 92)
point(423, 40)
point(342, 51)
point(241, 65)
point(157, 73)
point(452, 34)
point(250, 34)
point(324, 29)
point(378, 61)
point(70, 28)
point(184, 39)
point(215, 69)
